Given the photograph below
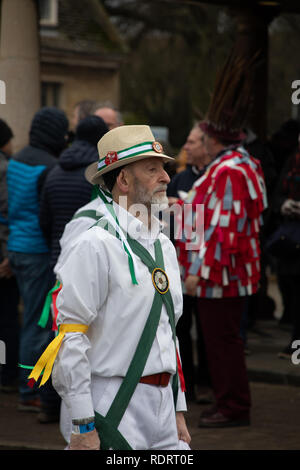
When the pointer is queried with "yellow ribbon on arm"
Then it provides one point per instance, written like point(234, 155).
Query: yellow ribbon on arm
point(47, 359)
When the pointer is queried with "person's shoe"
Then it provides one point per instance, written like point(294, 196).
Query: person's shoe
point(218, 420)
point(30, 405)
point(204, 395)
point(205, 399)
point(286, 353)
point(209, 411)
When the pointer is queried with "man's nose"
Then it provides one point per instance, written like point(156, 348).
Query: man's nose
point(165, 177)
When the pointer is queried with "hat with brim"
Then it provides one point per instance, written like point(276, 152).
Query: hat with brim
point(227, 135)
point(121, 146)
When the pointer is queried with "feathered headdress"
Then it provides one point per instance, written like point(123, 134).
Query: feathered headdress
point(231, 100)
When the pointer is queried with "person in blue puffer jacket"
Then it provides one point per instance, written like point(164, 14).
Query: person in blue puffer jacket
point(28, 251)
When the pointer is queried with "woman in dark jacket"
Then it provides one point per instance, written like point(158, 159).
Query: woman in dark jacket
point(65, 188)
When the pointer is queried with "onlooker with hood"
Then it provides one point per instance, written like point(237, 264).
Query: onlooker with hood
point(66, 188)
point(9, 294)
point(27, 248)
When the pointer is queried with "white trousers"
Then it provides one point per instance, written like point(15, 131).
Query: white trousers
point(149, 422)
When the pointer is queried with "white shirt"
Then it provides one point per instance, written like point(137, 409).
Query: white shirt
point(73, 229)
point(98, 291)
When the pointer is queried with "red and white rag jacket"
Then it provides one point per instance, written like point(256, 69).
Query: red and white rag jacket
point(227, 257)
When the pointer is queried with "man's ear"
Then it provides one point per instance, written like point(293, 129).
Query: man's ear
point(213, 140)
point(123, 180)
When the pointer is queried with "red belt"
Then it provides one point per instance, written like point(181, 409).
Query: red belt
point(161, 380)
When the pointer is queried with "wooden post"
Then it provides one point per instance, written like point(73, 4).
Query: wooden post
point(19, 66)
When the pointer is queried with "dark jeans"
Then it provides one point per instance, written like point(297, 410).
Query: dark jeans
point(183, 331)
point(35, 279)
point(9, 329)
point(221, 321)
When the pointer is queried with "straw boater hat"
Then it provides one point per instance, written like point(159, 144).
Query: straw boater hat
point(121, 146)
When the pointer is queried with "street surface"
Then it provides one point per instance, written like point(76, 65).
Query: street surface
point(275, 425)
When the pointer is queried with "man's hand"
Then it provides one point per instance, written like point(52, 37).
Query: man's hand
point(5, 269)
point(183, 434)
point(172, 200)
point(290, 207)
point(191, 284)
point(86, 441)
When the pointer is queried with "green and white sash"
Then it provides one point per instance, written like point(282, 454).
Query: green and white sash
point(107, 426)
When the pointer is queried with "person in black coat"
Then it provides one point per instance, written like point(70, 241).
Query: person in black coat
point(66, 189)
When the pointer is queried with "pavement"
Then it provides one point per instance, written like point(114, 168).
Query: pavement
point(275, 389)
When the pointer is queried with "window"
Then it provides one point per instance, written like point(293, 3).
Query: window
point(48, 12)
point(51, 94)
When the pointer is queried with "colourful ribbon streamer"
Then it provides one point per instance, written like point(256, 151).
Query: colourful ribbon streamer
point(46, 361)
point(180, 373)
point(46, 309)
point(55, 310)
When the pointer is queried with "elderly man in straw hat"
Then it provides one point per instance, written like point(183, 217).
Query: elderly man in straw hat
point(117, 365)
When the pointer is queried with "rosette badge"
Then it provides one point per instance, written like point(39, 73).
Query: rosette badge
point(110, 158)
point(157, 147)
point(160, 280)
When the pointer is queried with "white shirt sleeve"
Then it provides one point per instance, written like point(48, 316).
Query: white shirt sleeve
point(84, 279)
point(71, 232)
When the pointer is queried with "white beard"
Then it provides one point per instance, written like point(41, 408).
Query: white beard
point(159, 203)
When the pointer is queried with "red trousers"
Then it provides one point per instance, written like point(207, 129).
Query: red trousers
point(220, 321)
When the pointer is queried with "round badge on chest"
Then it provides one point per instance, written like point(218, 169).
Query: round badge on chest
point(160, 280)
